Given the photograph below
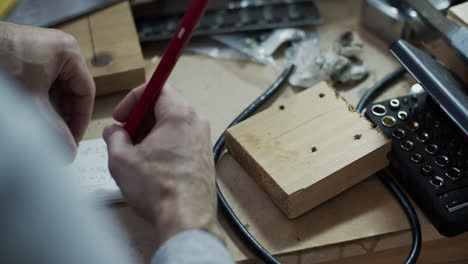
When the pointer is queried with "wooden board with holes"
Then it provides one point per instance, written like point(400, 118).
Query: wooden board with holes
point(109, 43)
point(308, 149)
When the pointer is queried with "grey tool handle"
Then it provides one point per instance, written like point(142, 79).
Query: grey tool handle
point(457, 36)
point(433, 17)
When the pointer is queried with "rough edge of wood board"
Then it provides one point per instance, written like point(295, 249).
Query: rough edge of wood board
point(303, 202)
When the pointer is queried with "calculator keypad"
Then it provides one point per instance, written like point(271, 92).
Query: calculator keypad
point(430, 155)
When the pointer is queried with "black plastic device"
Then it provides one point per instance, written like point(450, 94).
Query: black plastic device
point(429, 139)
point(235, 19)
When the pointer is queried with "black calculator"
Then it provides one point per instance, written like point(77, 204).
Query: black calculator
point(429, 139)
point(430, 156)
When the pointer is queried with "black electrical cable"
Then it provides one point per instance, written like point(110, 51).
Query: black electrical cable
point(385, 175)
point(260, 251)
point(218, 150)
point(373, 92)
point(416, 234)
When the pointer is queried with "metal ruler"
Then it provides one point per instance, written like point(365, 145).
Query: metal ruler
point(234, 19)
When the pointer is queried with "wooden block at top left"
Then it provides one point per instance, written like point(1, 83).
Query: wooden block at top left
point(110, 45)
point(308, 149)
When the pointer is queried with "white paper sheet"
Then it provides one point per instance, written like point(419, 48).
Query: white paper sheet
point(90, 172)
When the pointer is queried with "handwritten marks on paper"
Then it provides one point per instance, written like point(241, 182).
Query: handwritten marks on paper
point(91, 173)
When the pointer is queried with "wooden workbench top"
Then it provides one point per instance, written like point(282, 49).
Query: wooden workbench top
point(362, 225)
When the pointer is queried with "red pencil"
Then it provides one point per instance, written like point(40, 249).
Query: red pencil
point(178, 42)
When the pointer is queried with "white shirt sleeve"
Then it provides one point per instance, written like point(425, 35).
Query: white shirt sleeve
point(44, 219)
point(193, 247)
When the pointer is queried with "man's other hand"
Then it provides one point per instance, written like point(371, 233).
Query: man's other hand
point(49, 65)
point(169, 176)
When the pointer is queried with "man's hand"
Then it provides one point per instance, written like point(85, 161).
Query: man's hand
point(49, 65)
point(169, 176)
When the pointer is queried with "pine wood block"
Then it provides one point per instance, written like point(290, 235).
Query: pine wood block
point(308, 149)
point(110, 45)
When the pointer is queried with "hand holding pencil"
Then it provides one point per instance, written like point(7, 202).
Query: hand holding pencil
point(168, 175)
point(183, 34)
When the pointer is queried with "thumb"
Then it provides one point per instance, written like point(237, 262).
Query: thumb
point(117, 139)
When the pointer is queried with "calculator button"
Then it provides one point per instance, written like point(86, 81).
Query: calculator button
point(437, 182)
point(403, 115)
point(427, 170)
point(442, 161)
point(416, 158)
point(388, 121)
point(399, 133)
point(423, 137)
point(407, 145)
point(413, 126)
point(453, 173)
point(455, 200)
point(432, 149)
point(379, 110)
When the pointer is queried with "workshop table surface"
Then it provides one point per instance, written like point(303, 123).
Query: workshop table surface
point(362, 225)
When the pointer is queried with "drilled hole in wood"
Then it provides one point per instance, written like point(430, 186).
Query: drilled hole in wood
point(321, 95)
point(314, 149)
point(357, 137)
point(101, 60)
point(281, 107)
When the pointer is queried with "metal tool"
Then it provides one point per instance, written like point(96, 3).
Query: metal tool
point(47, 13)
point(392, 19)
point(457, 36)
point(446, 89)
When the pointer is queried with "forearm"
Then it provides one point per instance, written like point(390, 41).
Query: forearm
point(6, 34)
point(193, 247)
point(7, 48)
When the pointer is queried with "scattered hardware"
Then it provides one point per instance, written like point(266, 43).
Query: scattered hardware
point(257, 47)
point(341, 65)
point(261, 50)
